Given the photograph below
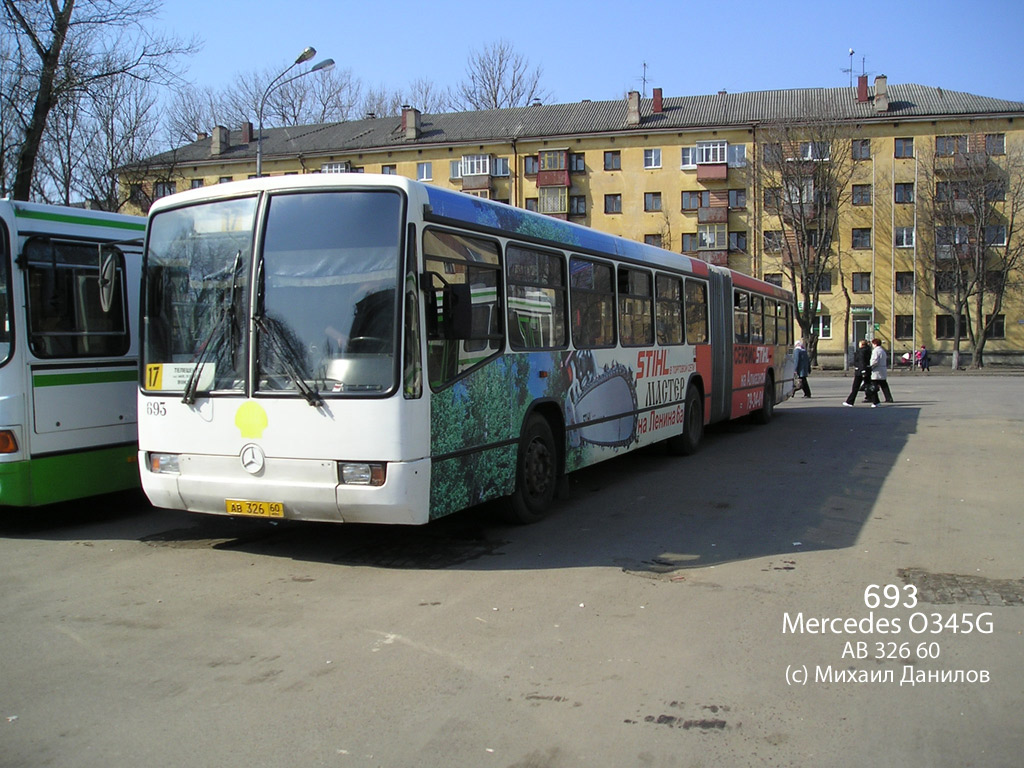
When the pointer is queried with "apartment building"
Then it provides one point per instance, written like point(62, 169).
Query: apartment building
point(689, 174)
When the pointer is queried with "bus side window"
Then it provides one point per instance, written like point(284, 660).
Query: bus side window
point(756, 320)
point(669, 298)
point(741, 315)
point(592, 295)
point(696, 312)
point(784, 336)
point(462, 279)
point(635, 321)
point(536, 298)
point(770, 312)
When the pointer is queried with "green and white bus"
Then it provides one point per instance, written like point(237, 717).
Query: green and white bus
point(69, 285)
point(362, 348)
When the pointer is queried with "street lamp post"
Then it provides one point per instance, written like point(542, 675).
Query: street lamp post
point(277, 82)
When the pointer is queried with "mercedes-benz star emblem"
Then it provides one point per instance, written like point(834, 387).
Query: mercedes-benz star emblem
point(252, 459)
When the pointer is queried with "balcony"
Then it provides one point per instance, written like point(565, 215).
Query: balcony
point(713, 215)
point(718, 258)
point(712, 171)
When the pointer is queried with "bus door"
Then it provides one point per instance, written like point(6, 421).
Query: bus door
point(720, 308)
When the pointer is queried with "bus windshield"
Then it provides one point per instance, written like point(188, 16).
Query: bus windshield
point(325, 311)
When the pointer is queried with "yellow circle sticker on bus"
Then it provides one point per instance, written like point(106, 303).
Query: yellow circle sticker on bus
point(251, 419)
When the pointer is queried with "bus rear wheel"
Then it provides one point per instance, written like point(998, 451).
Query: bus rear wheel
point(536, 473)
point(687, 443)
point(767, 410)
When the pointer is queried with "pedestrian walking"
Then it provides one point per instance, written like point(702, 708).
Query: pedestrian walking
point(861, 370)
point(879, 380)
point(803, 367)
point(924, 360)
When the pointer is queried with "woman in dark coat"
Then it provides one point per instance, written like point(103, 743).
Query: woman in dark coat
point(861, 370)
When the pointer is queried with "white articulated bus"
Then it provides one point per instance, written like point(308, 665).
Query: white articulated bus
point(69, 286)
point(361, 348)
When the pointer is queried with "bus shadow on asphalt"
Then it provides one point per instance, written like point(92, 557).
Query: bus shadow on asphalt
point(806, 482)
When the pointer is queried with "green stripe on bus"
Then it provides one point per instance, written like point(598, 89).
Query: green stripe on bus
point(69, 476)
point(84, 220)
point(90, 377)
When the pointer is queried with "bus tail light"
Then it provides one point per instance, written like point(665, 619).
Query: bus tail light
point(8, 442)
point(361, 473)
point(164, 463)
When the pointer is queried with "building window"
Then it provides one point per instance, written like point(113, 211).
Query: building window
point(995, 190)
point(862, 282)
point(709, 152)
point(475, 165)
point(904, 326)
point(862, 149)
point(995, 328)
point(945, 281)
point(815, 150)
point(612, 161)
point(342, 167)
point(712, 237)
point(738, 241)
point(737, 198)
point(455, 170)
point(578, 205)
point(654, 240)
point(862, 194)
point(773, 240)
point(689, 157)
point(904, 282)
point(904, 148)
point(771, 154)
point(824, 326)
point(903, 192)
point(995, 234)
point(825, 283)
point(500, 166)
point(163, 189)
point(553, 160)
point(577, 163)
point(903, 237)
point(195, 184)
point(995, 144)
point(652, 158)
point(530, 165)
point(862, 237)
point(530, 203)
point(613, 203)
point(689, 242)
point(694, 200)
point(553, 199)
point(224, 179)
point(947, 146)
point(652, 202)
point(737, 155)
point(389, 170)
point(945, 326)
point(425, 171)
point(775, 278)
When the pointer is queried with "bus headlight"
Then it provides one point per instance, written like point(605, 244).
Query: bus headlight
point(164, 463)
point(8, 442)
point(361, 473)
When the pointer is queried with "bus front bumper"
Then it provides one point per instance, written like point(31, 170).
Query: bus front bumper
point(307, 489)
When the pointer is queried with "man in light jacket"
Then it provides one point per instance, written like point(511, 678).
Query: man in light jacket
point(878, 374)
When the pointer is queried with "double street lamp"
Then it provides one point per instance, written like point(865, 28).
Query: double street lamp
point(277, 82)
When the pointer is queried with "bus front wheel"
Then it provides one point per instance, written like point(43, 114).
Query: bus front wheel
point(536, 473)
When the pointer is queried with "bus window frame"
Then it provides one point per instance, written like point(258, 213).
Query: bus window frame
point(678, 301)
point(575, 290)
point(6, 276)
point(564, 289)
point(627, 270)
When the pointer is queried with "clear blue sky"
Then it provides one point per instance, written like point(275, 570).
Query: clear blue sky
point(597, 49)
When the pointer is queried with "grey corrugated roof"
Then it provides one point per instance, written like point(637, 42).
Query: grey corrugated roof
point(596, 117)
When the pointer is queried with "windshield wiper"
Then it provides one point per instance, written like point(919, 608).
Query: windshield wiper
point(215, 338)
point(278, 341)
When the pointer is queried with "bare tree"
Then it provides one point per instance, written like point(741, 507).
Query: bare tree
point(972, 238)
point(66, 47)
point(497, 77)
point(804, 173)
point(192, 111)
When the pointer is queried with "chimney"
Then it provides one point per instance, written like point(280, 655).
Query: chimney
point(410, 122)
point(881, 94)
point(657, 107)
point(220, 140)
point(862, 89)
point(200, 135)
point(633, 108)
point(247, 133)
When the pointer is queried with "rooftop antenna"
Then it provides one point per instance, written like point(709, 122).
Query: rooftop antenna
point(643, 82)
point(850, 68)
